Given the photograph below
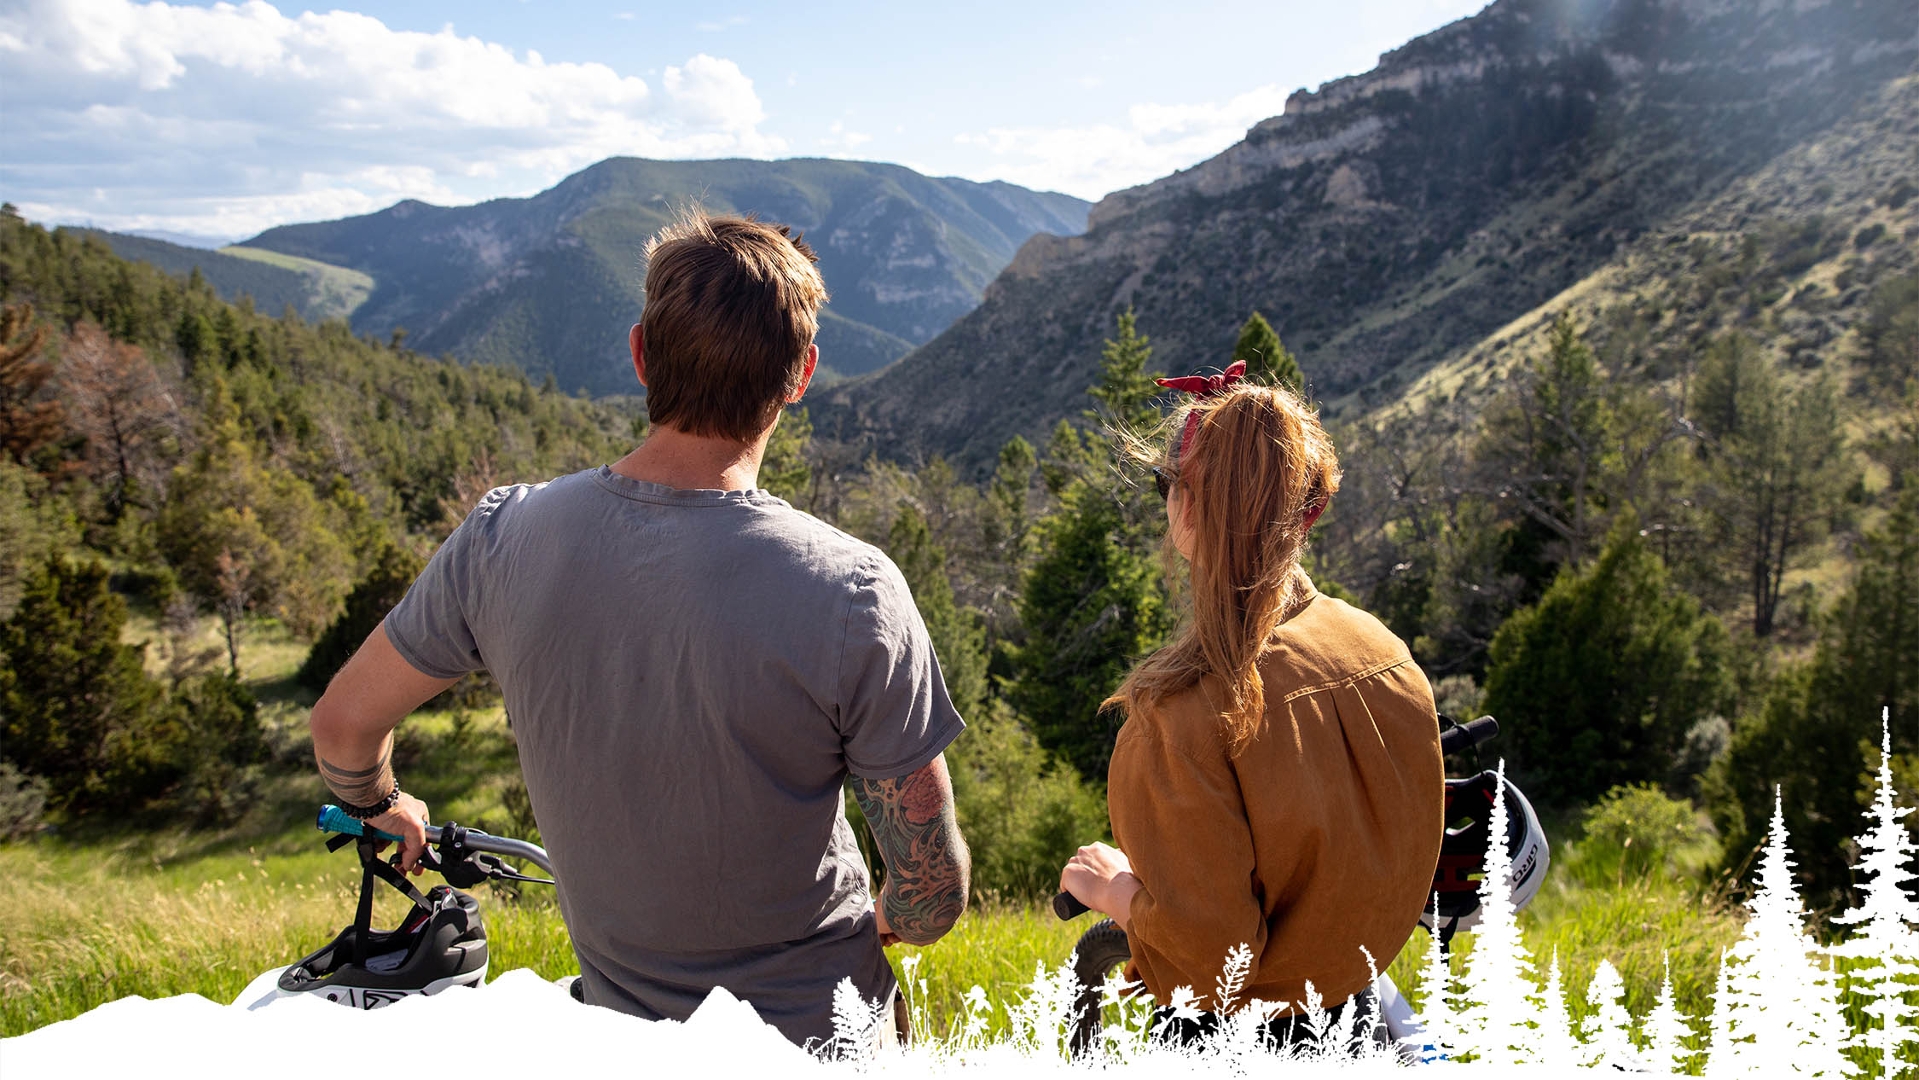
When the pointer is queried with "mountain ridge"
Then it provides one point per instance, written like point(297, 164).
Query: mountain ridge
point(550, 281)
point(1391, 220)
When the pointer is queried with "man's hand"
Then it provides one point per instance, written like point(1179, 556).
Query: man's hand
point(928, 869)
point(406, 820)
point(1102, 878)
point(888, 938)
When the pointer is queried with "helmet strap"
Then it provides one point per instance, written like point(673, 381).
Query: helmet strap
point(372, 866)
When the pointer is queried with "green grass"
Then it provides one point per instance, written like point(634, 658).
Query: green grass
point(996, 946)
point(85, 921)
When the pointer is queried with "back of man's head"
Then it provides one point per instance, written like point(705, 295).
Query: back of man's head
point(731, 306)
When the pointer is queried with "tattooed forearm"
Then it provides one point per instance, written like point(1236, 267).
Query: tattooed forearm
point(360, 787)
point(928, 869)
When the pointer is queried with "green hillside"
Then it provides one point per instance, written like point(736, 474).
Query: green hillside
point(550, 283)
point(315, 290)
point(334, 292)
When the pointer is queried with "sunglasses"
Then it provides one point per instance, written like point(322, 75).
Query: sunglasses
point(1163, 481)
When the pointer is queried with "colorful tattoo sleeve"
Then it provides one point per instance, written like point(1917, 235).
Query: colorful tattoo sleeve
point(928, 869)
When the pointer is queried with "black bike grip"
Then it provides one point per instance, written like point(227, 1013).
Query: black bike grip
point(1068, 907)
point(1460, 738)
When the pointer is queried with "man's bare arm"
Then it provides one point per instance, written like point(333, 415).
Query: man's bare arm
point(928, 869)
point(353, 726)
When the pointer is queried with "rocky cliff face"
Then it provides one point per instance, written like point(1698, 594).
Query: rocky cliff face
point(550, 283)
point(1391, 220)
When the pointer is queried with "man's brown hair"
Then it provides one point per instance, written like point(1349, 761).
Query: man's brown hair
point(731, 305)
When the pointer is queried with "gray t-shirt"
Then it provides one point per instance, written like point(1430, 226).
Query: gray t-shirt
point(690, 676)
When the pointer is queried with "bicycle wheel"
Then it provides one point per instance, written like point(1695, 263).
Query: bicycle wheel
point(1101, 949)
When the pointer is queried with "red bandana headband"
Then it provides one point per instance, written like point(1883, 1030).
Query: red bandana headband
point(1202, 387)
point(1207, 386)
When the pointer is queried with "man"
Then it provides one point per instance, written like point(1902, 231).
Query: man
point(693, 668)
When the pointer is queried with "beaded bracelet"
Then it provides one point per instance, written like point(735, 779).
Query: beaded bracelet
point(364, 812)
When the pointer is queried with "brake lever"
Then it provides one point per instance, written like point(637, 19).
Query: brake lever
point(463, 868)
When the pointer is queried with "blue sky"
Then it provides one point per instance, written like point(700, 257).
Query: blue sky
point(221, 120)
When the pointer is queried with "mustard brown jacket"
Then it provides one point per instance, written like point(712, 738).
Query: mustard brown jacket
point(1318, 839)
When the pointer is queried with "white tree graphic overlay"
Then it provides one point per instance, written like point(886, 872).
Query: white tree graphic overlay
point(1884, 947)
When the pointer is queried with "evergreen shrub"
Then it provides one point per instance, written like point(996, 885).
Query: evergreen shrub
point(1023, 812)
point(1598, 683)
point(393, 571)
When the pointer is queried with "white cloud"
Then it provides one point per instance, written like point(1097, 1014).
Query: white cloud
point(228, 119)
point(839, 142)
point(1090, 161)
point(714, 26)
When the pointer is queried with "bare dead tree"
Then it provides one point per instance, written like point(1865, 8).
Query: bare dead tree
point(118, 403)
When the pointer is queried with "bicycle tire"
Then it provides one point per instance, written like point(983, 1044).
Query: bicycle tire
point(1101, 948)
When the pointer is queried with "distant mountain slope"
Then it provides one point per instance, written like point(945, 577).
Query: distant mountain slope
point(1392, 220)
point(1798, 258)
point(274, 281)
point(551, 282)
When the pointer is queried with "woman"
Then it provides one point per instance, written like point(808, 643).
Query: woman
point(1278, 780)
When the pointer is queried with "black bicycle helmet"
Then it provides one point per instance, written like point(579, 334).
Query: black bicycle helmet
point(440, 943)
point(1462, 852)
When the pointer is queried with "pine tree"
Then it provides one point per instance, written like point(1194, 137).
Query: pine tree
point(394, 569)
point(1884, 947)
point(1094, 602)
point(1546, 442)
point(1126, 390)
point(1006, 526)
point(1498, 976)
point(1778, 461)
point(1266, 359)
point(246, 535)
point(76, 705)
point(958, 640)
point(1666, 1031)
point(1553, 1044)
point(1779, 1009)
point(1607, 1029)
point(1437, 996)
point(1091, 605)
point(1722, 1053)
point(1805, 736)
point(1612, 661)
point(117, 402)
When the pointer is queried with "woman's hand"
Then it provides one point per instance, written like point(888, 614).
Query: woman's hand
point(1102, 878)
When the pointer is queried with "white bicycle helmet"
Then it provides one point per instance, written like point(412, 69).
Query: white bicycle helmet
point(1462, 852)
point(441, 943)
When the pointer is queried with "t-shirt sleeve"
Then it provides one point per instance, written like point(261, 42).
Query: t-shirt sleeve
point(430, 627)
point(894, 713)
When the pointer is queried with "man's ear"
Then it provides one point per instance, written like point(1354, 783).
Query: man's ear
point(636, 342)
point(806, 377)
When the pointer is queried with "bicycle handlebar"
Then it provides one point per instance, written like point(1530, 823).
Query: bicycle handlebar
point(335, 820)
point(1462, 737)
